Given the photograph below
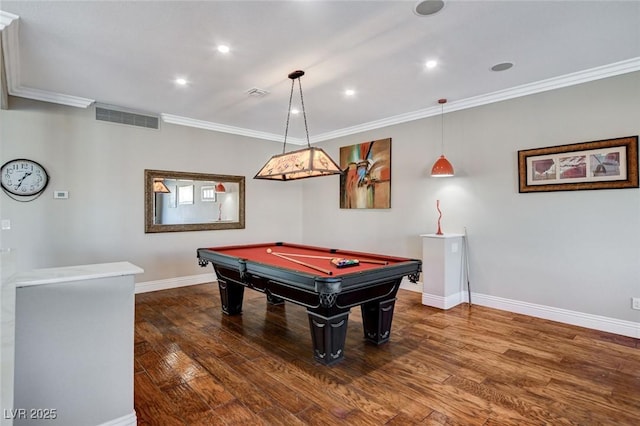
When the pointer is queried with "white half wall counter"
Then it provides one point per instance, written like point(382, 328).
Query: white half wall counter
point(74, 331)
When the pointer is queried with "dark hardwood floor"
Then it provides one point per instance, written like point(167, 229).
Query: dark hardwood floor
point(466, 366)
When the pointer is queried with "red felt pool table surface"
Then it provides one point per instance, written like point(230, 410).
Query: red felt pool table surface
point(259, 253)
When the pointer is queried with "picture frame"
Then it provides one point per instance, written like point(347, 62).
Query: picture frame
point(366, 179)
point(603, 164)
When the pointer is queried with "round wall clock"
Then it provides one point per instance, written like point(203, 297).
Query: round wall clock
point(23, 178)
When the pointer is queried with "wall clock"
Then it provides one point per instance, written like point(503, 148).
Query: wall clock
point(23, 180)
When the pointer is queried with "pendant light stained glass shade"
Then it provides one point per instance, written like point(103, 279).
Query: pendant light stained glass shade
point(304, 163)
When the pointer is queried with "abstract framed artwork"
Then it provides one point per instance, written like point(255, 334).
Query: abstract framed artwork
point(604, 164)
point(366, 181)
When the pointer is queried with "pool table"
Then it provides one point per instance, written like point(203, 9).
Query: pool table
point(328, 282)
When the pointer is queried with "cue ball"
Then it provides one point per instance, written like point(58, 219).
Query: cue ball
point(268, 250)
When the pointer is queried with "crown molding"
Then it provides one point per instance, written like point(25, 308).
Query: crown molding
point(377, 124)
point(208, 125)
point(6, 19)
point(605, 71)
point(9, 25)
point(579, 77)
point(53, 97)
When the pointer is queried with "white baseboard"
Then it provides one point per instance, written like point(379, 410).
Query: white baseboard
point(580, 319)
point(128, 420)
point(443, 302)
point(596, 322)
point(168, 283)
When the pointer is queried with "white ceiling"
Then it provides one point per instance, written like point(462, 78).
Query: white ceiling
point(129, 53)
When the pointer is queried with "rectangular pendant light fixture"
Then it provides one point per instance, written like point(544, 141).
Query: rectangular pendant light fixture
point(304, 163)
point(301, 164)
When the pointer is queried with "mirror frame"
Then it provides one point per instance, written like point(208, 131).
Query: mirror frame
point(150, 227)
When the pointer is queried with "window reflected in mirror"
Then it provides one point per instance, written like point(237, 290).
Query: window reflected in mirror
point(182, 201)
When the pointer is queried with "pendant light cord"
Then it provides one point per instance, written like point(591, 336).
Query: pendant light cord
point(304, 114)
point(442, 128)
point(286, 130)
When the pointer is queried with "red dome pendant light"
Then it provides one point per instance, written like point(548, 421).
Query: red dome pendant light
point(442, 167)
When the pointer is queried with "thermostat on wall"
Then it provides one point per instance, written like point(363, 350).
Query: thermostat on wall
point(61, 194)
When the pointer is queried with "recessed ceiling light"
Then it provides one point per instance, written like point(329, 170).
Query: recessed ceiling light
point(181, 81)
point(432, 64)
point(349, 92)
point(295, 111)
point(428, 7)
point(502, 67)
point(223, 48)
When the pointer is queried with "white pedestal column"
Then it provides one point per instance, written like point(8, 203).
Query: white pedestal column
point(442, 270)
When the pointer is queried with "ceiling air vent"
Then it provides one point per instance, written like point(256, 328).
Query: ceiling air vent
point(256, 93)
point(119, 115)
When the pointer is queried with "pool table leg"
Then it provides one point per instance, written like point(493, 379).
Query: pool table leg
point(231, 295)
point(274, 300)
point(328, 335)
point(376, 320)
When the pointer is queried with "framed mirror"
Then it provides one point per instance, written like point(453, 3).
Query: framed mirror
point(183, 201)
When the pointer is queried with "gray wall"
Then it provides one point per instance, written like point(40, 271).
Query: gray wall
point(102, 166)
point(576, 250)
point(573, 250)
